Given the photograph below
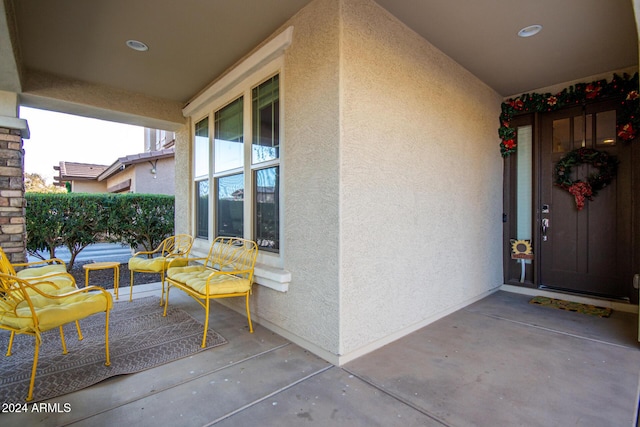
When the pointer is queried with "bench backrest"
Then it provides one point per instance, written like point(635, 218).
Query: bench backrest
point(233, 254)
point(178, 245)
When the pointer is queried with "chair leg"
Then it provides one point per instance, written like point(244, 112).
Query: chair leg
point(162, 280)
point(249, 316)
point(64, 344)
point(33, 370)
point(106, 338)
point(116, 280)
point(13, 334)
point(166, 303)
point(80, 337)
point(130, 285)
point(206, 323)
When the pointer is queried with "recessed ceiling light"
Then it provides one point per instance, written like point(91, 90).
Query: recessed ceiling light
point(529, 31)
point(136, 45)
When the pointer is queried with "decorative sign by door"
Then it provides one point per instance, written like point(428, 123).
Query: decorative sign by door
point(522, 251)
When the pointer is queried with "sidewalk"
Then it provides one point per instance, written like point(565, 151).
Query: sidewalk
point(95, 252)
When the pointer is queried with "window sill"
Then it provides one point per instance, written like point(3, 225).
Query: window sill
point(274, 278)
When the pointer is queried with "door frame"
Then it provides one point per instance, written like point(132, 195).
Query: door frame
point(511, 268)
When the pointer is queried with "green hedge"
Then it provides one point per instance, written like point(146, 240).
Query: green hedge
point(77, 220)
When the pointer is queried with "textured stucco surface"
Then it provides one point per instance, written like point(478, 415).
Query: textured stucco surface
point(88, 187)
point(311, 183)
point(121, 177)
point(46, 91)
point(421, 180)
point(182, 184)
point(392, 182)
point(161, 184)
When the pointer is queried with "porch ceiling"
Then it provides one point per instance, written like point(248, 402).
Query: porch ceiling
point(69, 42)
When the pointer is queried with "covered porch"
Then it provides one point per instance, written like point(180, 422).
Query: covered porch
point(382, 302)
point(499, 361)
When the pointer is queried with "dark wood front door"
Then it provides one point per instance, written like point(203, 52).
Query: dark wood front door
point(589, 250)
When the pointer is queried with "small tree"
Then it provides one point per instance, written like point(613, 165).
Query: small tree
point(35, 183)
point(44, 221)
point(84, 222)
point(142, 220)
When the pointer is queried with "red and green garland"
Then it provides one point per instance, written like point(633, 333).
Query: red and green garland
point(626, 87)
point(581, 190)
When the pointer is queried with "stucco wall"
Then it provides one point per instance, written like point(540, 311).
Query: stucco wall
point(421, 181)
point(182, 184)
point(309, 310)
point(392, 183)
point(121, 177)
point(88, 187)
point(163, 183)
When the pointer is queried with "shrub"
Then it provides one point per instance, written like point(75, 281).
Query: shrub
point(77, 220)
point(141, 219)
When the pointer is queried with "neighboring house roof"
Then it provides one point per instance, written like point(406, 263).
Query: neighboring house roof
point(125, 161)
point(72, 171)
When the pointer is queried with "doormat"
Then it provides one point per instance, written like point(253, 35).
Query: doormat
point(572, 306)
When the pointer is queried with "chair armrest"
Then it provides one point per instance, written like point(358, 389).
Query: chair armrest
point(76, 291)
point(35, 287)
point(188, 260)
point(174, 255)
point(144, 253)
point(35, 263)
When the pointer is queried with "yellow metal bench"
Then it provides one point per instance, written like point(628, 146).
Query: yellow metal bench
point(226, 272)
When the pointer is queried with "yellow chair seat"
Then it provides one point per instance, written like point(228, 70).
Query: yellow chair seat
point(152, 265)
point(195, 277)
point(52, 313)
point(55, 273)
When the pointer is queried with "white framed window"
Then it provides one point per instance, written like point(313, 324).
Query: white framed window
point(237, 158)
point(236, 163)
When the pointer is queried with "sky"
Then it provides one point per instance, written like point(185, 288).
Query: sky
point(57, 137)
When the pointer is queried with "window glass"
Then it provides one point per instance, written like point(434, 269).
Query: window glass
point(266, 121)
point(267, 205)
point(562, 135)
point(201, 154)
point(229, 137)
point(579, 137)
point(202, 209)
point(230, 206)
point(524, 183)
point(606, 128)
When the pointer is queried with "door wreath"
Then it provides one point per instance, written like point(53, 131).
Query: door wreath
point(607, 168)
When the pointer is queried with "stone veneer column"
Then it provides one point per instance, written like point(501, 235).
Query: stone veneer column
point(13, 233)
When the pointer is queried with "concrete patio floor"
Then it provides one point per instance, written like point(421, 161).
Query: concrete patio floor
point(498, 362)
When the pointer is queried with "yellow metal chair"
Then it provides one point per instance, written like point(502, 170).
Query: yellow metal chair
point(49, 276)
point(26, 309)
point(156, 261)
point(226, 272)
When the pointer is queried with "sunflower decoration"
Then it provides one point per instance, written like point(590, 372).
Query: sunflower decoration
point(521, 249)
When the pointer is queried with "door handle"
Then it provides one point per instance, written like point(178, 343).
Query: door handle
point(545, 227)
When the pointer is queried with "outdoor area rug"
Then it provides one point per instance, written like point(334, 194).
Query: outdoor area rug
point(572, 306)
point(139, 338)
